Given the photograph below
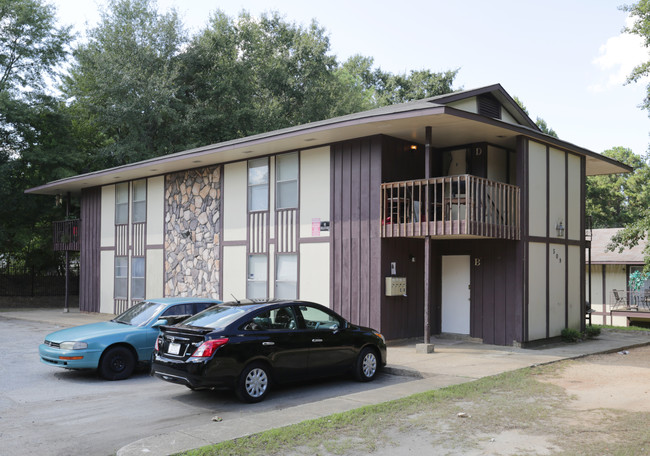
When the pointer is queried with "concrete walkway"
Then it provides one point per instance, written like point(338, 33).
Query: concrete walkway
point(453, 362)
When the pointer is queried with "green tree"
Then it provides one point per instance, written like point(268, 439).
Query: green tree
point(31, 47)
point(400, 88)
point(251, 75)
point(638, 228)
point(616, 200)
point(123, 81)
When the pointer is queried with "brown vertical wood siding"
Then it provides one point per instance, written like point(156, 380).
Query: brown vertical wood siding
point(89, 275)
point(356, 244)
point(360, 258)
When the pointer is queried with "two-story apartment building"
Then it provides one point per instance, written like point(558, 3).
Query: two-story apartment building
point(453, 214)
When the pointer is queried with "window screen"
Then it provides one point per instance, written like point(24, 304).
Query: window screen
point(286, 278)
point(122, 204)
point(137, 278)
point(139, 201)
point(286, 166)
point(257, 277)
point(121, 277)
point(258, 185)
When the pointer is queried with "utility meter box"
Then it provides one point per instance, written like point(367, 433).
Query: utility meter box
point(395, 286)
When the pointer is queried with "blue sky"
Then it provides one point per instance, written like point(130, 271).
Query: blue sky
point(565, 60)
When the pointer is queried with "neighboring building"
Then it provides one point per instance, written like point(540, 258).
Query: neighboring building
point(612, 300)
point(453, 214)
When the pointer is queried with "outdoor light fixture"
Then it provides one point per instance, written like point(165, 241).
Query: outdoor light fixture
point(560, 229)
point(414, 147)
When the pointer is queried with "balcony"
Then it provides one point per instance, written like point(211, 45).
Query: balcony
point(66, 235)
point(462, 206)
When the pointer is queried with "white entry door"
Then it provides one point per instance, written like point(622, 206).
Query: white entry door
point(455, 294)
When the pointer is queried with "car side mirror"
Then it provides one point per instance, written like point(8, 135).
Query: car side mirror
point(160, 322)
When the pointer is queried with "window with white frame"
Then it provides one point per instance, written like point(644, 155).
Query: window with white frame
point(137, 278)
point(121, 277)
point(258, 184)
point(140, 201)
point(256, 285)
point(286, 276)
point(286, 180)
point(122, 204)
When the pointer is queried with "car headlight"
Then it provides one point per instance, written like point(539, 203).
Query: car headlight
point(380, 336)
point(73, 345)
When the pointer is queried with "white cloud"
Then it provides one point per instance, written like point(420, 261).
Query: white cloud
point(618, 57)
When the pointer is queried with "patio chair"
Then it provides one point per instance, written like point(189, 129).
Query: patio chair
point(620, 299)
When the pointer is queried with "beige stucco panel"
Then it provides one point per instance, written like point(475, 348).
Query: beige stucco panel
point(154, 281)
point(615, 279)
point(234, 272)
point(497, 168)
point(596, 284)
point(155, 210)
point(574, 269)
point(573, 223)
point(107, 236)
point(271, 263)
point(106, 272)
point(537, 291)
point(537, 185)
point(557, 190)
point(272, 197)
point(235, 196)
point(557, 289)
point(315, 272)
point(506, 117)
point(468, 104)
point(314, 189)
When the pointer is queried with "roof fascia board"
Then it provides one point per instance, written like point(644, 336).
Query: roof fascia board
point(251, 141)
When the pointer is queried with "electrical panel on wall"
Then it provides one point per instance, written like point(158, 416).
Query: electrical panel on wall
point(395, 286)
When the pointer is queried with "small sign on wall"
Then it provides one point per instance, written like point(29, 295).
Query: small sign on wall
point(315, 227)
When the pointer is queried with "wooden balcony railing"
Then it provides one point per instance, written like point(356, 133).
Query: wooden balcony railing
point(66, 235)
point(461, 206)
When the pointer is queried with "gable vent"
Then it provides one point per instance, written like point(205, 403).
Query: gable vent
point(489, 106)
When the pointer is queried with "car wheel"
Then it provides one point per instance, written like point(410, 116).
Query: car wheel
point(117, 363)
point(367, 365)
point(254, 383)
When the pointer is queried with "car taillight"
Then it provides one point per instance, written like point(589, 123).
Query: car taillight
point(156, 346)
point(207, 348)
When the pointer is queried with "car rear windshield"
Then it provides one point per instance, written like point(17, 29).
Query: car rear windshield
point(140, 314)
point(216, 317)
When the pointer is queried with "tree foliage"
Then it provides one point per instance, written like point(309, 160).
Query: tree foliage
point(123, 80)
point(616, 200)
point(638, 227)
point(138, 86)
point(32, 148)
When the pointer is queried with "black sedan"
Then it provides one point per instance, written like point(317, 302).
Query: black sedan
point(248, 345)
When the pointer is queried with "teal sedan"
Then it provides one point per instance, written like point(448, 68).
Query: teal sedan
point(115, 347)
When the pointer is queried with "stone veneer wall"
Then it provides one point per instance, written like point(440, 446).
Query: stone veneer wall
point(192, 212)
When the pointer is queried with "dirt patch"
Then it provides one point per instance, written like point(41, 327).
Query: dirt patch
point(594, 405)
point(619, 381)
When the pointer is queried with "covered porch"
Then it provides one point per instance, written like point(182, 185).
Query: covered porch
point(459, 206)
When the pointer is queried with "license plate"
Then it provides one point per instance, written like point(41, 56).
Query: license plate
point(174, 349)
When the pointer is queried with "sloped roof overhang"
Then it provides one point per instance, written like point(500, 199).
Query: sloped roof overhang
point(450, 127)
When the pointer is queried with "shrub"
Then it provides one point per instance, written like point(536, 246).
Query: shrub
point(592, 331)
point(571, 335)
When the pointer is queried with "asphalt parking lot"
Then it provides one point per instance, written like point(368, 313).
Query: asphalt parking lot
point(46, 410)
